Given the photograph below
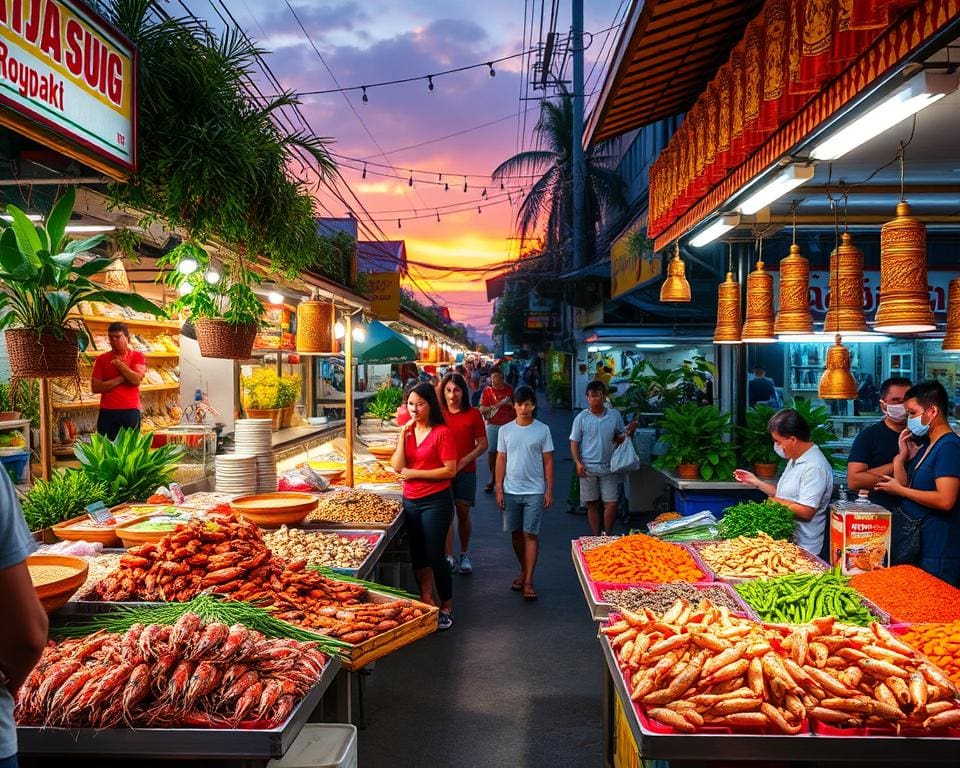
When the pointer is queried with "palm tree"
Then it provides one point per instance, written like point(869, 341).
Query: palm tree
point(550, 199)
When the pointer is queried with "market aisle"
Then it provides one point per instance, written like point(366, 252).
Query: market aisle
point(513, 683)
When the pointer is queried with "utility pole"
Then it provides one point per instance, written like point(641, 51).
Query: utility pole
point(579, 172)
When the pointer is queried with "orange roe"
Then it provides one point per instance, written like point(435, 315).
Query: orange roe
point(638, 557)
point(909, 594)
point(940, 643)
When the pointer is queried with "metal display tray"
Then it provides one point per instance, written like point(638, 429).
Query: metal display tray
point(895, 750)
point(390, 528)
point(178, 742)
point(365, 568)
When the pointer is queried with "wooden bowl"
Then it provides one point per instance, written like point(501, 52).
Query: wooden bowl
point(75, 530)
point(56, 594)
point(271, 510)
point(132, 538)
point(382, 452)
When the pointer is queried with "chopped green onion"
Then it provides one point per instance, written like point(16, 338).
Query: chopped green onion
point(330, 573)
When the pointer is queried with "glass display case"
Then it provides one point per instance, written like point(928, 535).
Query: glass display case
point(199, 443)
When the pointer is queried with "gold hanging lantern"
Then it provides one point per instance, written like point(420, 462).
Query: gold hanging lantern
point(846, 299)
point(904, 296)
point(758, 328)
point(675, 288)
point(951, 340)
point(837, 383)
point(728, 329)
point(794, 313)
point(315, 326)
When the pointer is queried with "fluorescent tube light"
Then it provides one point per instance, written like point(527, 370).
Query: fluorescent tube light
point(653, 345)
point(827, 337)
point(31, 216)
point(275, 297)
point(719, 227)
point(90, 229)
point(789, 178)
point(916, 94)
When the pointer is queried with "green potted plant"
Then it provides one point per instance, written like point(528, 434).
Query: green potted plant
point(265, 395)
point(222, 305)
point(821, 433)
point(558, 393)
point(385, 403)
point(698, 442)
point(43, 277)
point(653, 390)
point(756, 446)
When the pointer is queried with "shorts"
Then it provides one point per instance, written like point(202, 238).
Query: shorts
point(522, 511)
point(110, 421)
point(596, 487)
point(492, 431)
point(465, 488)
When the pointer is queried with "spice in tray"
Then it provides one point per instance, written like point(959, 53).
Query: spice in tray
point(909, 594)
point(592, 542)
point(641, 558)
point(356, 506)
point(753, 558)
point(659, 599)
point(804, 597)
point(940, 643)
point(42, 575)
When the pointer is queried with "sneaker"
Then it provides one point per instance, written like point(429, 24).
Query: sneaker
point(444, 622)
point(465, 565)
point(451, 561)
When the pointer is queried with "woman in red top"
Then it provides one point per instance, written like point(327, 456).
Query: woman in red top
point(426, 458)
point(469, 434)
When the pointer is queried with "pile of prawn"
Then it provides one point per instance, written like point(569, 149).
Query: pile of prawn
point(160, 676)
point(227, 556)
point(697, 666)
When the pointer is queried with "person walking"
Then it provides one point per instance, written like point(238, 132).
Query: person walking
point(871, 457)
point(524, 483)
point(25, 632)
point(806, 484)
point(116, 378)
point(470, 437)
point(496, 406)
point(596, 431)
point(927, 480)
point(426, 459)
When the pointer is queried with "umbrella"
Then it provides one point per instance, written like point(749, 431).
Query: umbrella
point(383, 346)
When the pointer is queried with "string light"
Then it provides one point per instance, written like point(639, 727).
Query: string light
point(410, 181)
point(364, 171)
point(429, 82)
point(493, 72)
point(464, 183)
point(365, 97)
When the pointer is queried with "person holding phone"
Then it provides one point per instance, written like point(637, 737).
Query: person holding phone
point(927, 479)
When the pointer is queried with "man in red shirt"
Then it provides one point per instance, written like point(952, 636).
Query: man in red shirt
point(496, 406)
point(116, 378)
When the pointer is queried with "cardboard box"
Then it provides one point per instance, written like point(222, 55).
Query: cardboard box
point(859, 536)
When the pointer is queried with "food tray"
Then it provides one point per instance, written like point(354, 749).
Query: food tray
point(360, 655)
point(214, 743)
point(82, 528)
point(378, 543)
point(581, 563)
point(601, 609)
point(136, 538)
point(390, 529)
point(825, 729)
point(697, 545)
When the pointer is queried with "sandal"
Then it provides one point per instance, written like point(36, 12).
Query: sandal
point(517, 585)
point(528, 592)
point(488, 488)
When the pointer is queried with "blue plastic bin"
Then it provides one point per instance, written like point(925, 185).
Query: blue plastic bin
point(18, 461)
point(691, 502)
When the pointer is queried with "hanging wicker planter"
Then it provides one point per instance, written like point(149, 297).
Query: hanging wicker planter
point(43, 355)
point(218, 338)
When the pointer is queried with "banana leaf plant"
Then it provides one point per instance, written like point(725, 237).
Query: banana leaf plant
point(44, 274)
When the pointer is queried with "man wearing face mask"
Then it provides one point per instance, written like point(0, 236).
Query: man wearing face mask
point(806, 484)
point(871, 456)
point(927, 480)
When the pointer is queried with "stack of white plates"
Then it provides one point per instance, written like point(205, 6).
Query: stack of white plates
point(254, 437)
point(236, 473)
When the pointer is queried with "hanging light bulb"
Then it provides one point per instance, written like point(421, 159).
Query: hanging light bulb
point(837, 383)
point(359, 333)
point(846, 299)
point(951, 340)
point(728, 329)
point(904, 297)
point(184, 288)
point(275, 297)
point(675, 288)
point(338, 330)
point(212, 276)
point(758, 328)
point(187, 266)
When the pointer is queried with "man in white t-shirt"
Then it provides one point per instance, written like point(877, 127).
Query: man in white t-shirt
point(596, 431)
point(524, 483)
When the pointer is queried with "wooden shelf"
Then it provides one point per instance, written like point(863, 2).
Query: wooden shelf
point(76, 405)
point(161, 355)
point(103, 320)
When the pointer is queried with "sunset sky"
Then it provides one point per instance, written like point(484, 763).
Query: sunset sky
point(371, 42)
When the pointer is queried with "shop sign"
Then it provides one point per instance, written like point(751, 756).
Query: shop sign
point(384, 292)
point(938, 283)
point(547, 322)
point(629, 270)
point(68, 81)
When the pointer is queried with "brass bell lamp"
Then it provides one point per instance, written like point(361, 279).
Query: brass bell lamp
point(951, 340)
point(845, 312)
point(315, 320)
point(837, 383)
point(793, 315)
point(904, 297)
point(676, 288)
point(728, 330)
point(758, 327)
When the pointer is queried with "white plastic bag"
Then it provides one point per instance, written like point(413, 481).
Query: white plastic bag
point(625, 457)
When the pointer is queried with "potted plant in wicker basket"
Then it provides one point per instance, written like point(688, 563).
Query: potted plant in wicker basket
point(698, 445)
point(756, 446)
point(43, 277)
point(223, 308)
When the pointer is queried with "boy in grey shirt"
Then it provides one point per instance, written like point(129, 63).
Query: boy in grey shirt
point(524, 483)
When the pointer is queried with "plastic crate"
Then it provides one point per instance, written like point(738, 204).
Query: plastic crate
point(715, 502)
point(17, 462)
point(321, 746)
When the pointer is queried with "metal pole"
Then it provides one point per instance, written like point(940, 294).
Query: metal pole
point(348, 392)
point(579, 171)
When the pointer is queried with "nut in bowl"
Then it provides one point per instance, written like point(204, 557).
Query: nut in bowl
point(271, 510)
point(56, 578)
point(382, 452)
